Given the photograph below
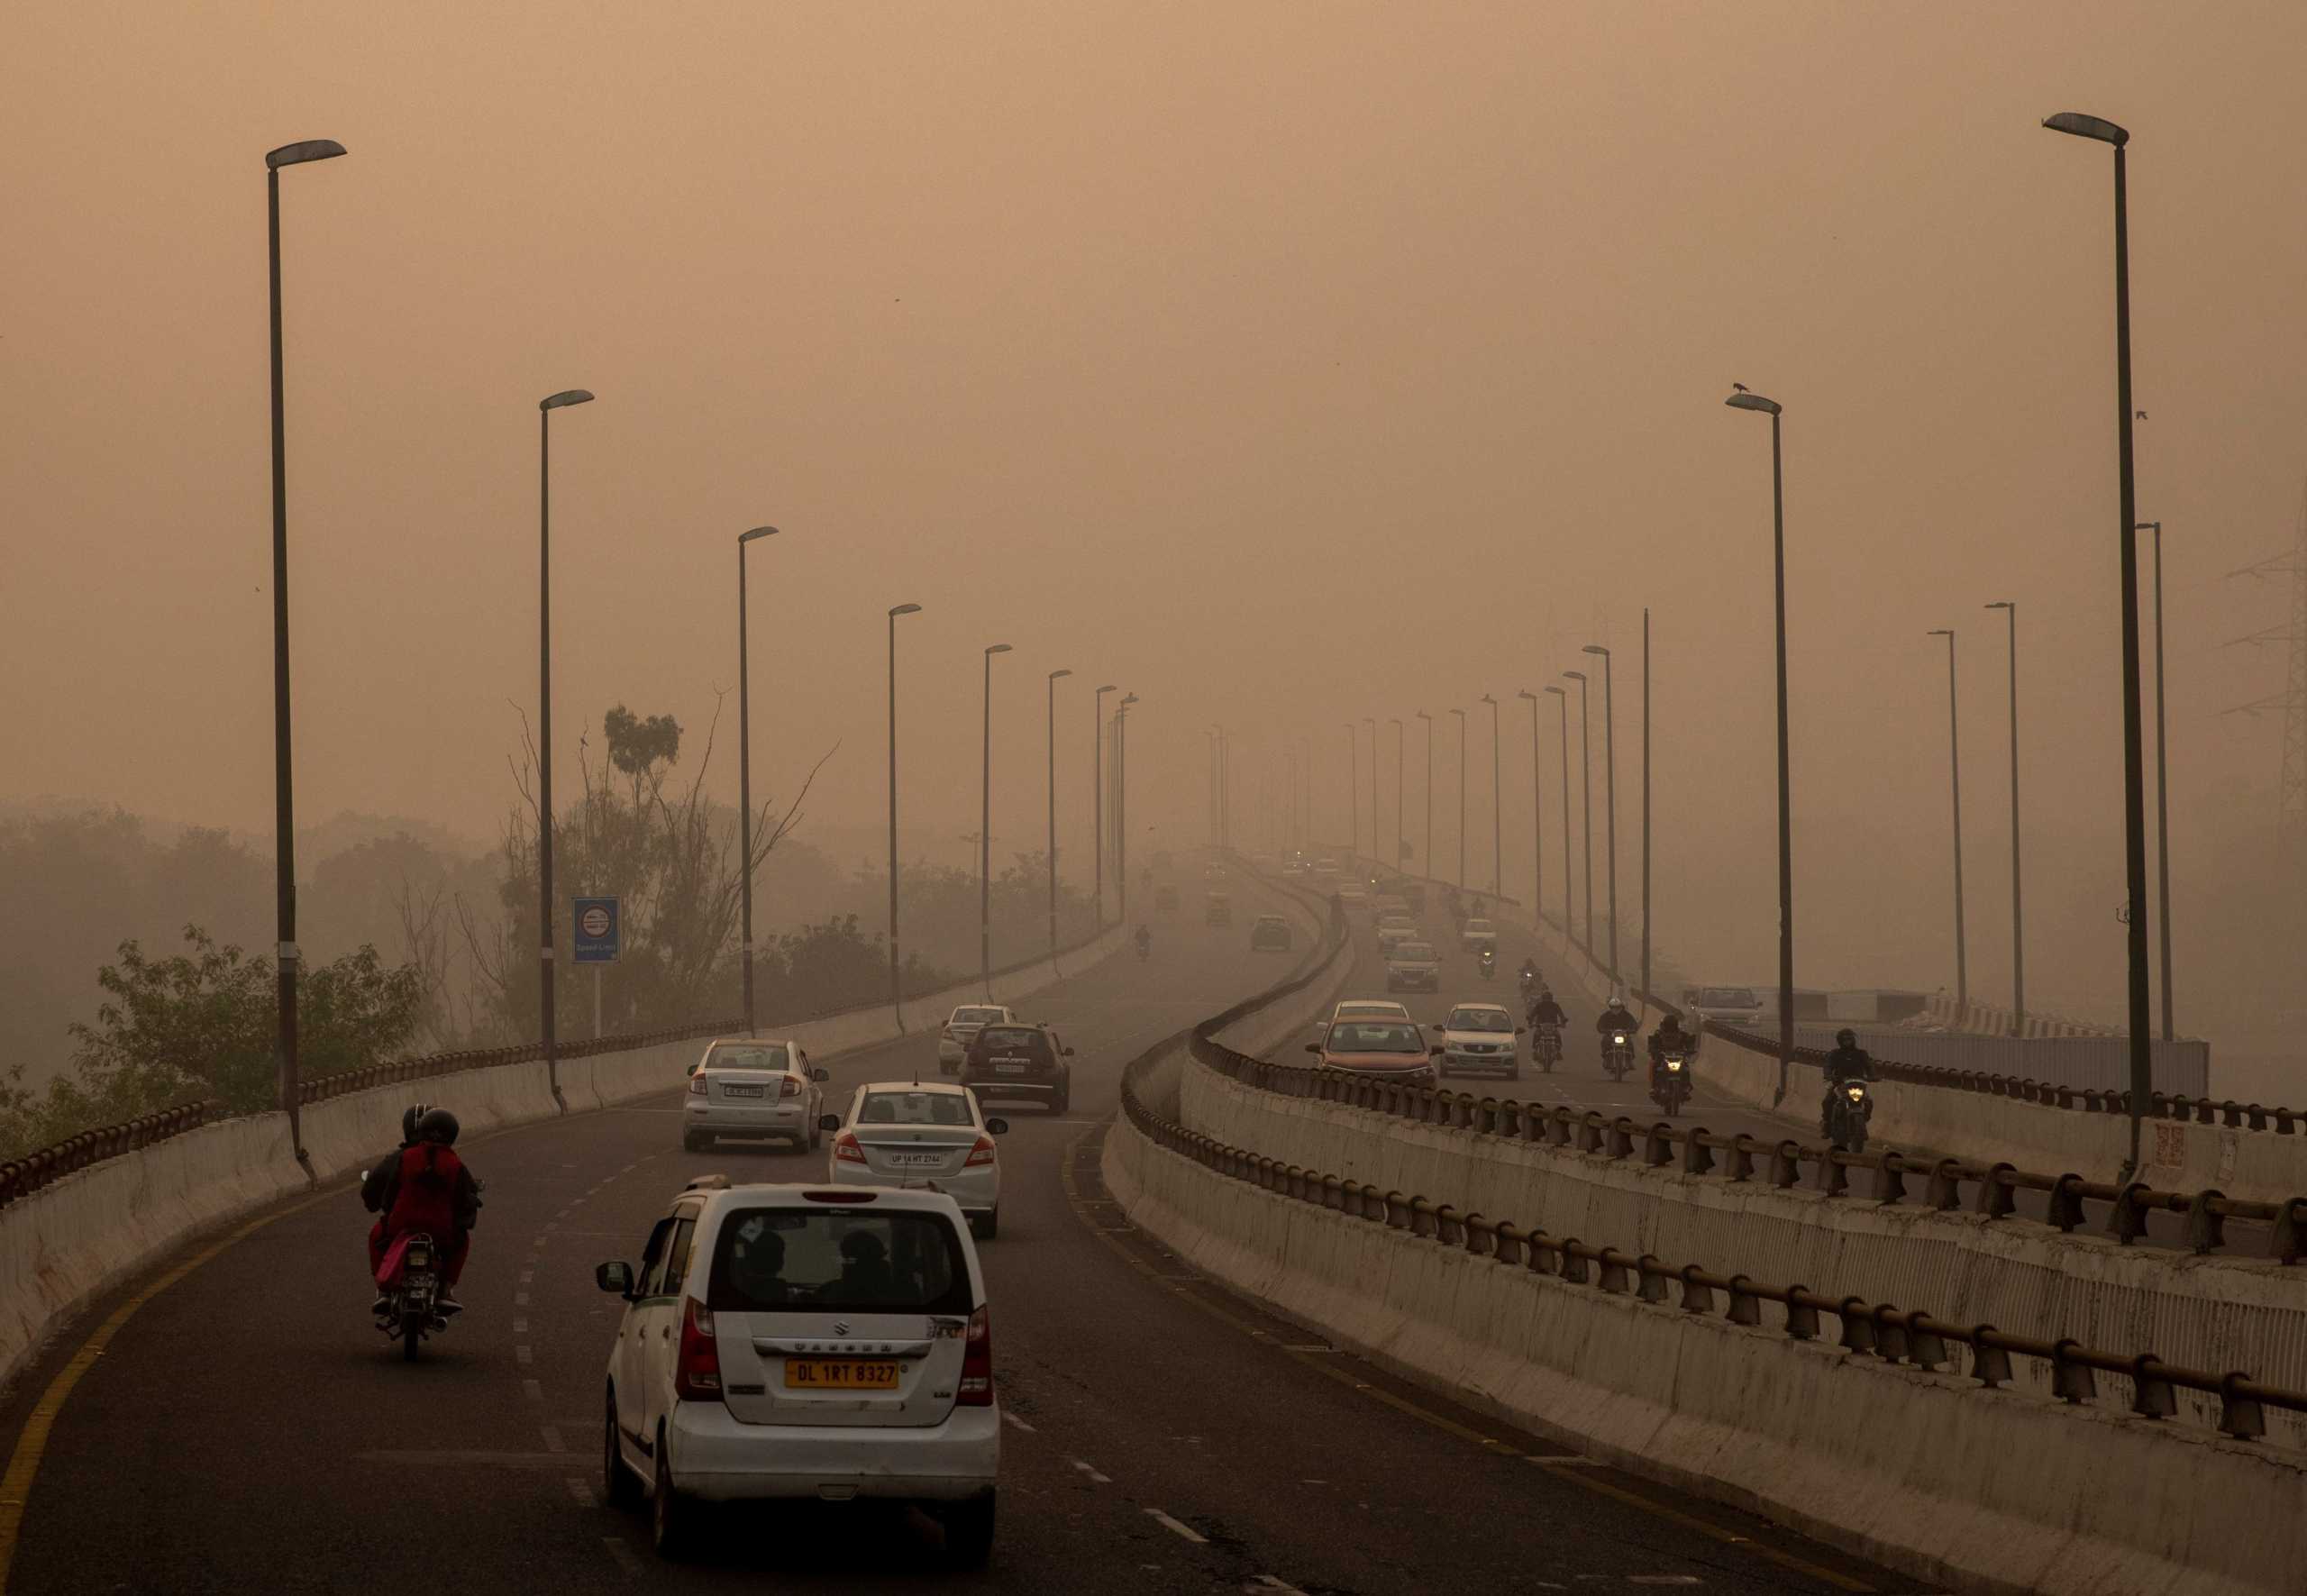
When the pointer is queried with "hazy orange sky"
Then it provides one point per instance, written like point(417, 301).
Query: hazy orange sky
point(1285, 363)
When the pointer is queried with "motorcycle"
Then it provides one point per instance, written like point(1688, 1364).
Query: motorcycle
point(409, 1307)
point(1852, 1106)
point(1529, 984)
point(1670, 1084)
point(1489, 965)
point(1546, 1046)
point(1145, 950)
point(1617, 1057)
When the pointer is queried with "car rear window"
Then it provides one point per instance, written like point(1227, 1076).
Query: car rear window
point(1375, 1036)
point(1413, 950)
point(766, 1055)
point(768, 1260)
point(914, 1107)
point(1012, 1039)
point(978, 1017)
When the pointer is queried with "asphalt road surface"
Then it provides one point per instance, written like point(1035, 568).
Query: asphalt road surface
point(247, 1430)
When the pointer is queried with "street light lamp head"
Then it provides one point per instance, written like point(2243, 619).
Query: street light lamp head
point(996, 648)
point(1055, 674)
point(1941, 632)
point(1527, 693)
point(566, 397)
point(905, 609)
point(297, 154)
point(746, 537)
point(2088, 127)
point(1423, 715)
point(1562, 693)
point(1575, 675)
point(1743, 400)
point(1109, 688)
point(1129, 699)
point(2002, 604)
point(2154, 527)
point(1595, 648)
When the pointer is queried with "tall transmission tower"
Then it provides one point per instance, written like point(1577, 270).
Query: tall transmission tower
point(2291, 816)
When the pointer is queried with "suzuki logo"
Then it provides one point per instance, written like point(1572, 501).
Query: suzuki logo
point(841, 1326)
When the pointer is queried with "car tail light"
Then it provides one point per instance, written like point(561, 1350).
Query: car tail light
point(976, 1390)
point(697, 1086)
point(697, 1376)
point(846, 1149)
point(786, 1087)
point(980, 1154)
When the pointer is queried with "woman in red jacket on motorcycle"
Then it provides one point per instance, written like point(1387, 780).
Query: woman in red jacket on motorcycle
point(426, 1187)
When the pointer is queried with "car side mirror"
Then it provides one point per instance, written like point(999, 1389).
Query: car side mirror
point(614, 1277)
point(828, 1122)
point(821, 1074)
point(1069, 1052)
point(1521, 1030)
point(1313, 1047)
point(690, 1070)
point(1434, 1053)
point(997, 1127)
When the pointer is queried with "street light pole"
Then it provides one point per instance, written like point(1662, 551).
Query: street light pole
point(1561, 701)
point(1121, 806)
point(2142, 1071)
point(2017, 917)
point(1395, 721)
point(1461, 795)
point(1610, 797)
point(985, 838)
point(1743, 400)
point(1496, 845)
point(1352, 792)
point(1371, 722)
point(1429, 861)
point(1053, 808)
point(1645, 803)
point(745, 776)
point(1955, 764)
point(1097, 792)
point(286, 953)
point(546, 915)
point(1585, 800)
point(896, 995)
point(2162, 792)
point(1538, 831)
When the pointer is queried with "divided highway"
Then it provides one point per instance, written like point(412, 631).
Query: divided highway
point(247, 1430)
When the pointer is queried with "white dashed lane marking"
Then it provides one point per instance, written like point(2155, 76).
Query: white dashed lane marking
point(1182, 1531)
point(1090, 1470)
point(1013, 1422)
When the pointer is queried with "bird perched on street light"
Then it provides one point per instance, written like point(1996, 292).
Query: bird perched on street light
point(1742, 387)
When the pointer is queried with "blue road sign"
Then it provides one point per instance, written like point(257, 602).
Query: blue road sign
point(599, 929)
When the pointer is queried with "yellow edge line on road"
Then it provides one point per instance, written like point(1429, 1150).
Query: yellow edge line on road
point(32, 1442)
point(1322, 1365)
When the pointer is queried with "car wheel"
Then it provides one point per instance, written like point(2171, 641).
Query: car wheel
point(672, 1517)
point(619, 1485)
point(969, 1532)
point(695, 1141)
point(817, 1132)
point(986, 1226)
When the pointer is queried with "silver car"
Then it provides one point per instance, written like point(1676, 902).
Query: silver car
point(961, 1028)
point(932, 1136)
point(754, 1086)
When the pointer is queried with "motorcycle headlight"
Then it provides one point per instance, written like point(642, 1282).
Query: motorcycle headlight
point(1856, 1093)
point(1617, 1041)
point(1673, 1064)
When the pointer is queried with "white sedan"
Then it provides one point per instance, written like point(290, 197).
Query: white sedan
point(929, 1137)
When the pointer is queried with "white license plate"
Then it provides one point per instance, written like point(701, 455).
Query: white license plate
point(910, 1160)
point(744, 1091)
point(1008, 1069)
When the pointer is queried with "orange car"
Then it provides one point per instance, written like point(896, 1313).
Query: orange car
point(1384, 1049)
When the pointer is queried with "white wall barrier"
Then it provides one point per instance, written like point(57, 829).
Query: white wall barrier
point(82, 1235)
point(2003, 1491)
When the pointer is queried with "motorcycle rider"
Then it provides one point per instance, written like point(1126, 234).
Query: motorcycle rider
point(374, 1194)
point(427, 1187)
point(1545, 1010)
point(1615, 1021)
point(1847, 1062)
point(1144, 941)
point(1528, 973)
point(1669, 1037)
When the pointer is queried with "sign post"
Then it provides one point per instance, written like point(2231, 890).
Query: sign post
point(598, 941)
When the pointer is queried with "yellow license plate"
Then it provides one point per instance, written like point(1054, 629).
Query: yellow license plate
point(840, 1374)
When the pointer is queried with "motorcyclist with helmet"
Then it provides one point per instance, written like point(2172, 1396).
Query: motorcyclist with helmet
point(1545, 1010)
point(1847, 1062)
point(1144, 941)
point(1615, 1022)
point(1669, 1038)
point(425, 1186)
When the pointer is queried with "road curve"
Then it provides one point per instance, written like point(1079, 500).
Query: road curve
point(247, 1430)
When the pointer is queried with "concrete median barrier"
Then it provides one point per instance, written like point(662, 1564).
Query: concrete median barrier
point(2004, 1491)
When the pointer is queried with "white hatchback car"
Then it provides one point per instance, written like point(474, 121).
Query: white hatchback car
point(784, 1342)
point(932, 1138)
point(751, 1086)
point(962, 1028)
point(1480, 1039)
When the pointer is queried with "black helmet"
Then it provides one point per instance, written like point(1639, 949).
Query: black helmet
point(1846, 1037)
point(438, 1125)
point(409, 1117)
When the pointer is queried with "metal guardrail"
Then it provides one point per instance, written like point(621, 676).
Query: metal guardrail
point(1880, 1330)
point(20, 1177)
point(2283, 1122)
point(1693, 1151)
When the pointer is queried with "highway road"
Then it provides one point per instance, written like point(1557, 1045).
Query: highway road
point(247, 1430)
